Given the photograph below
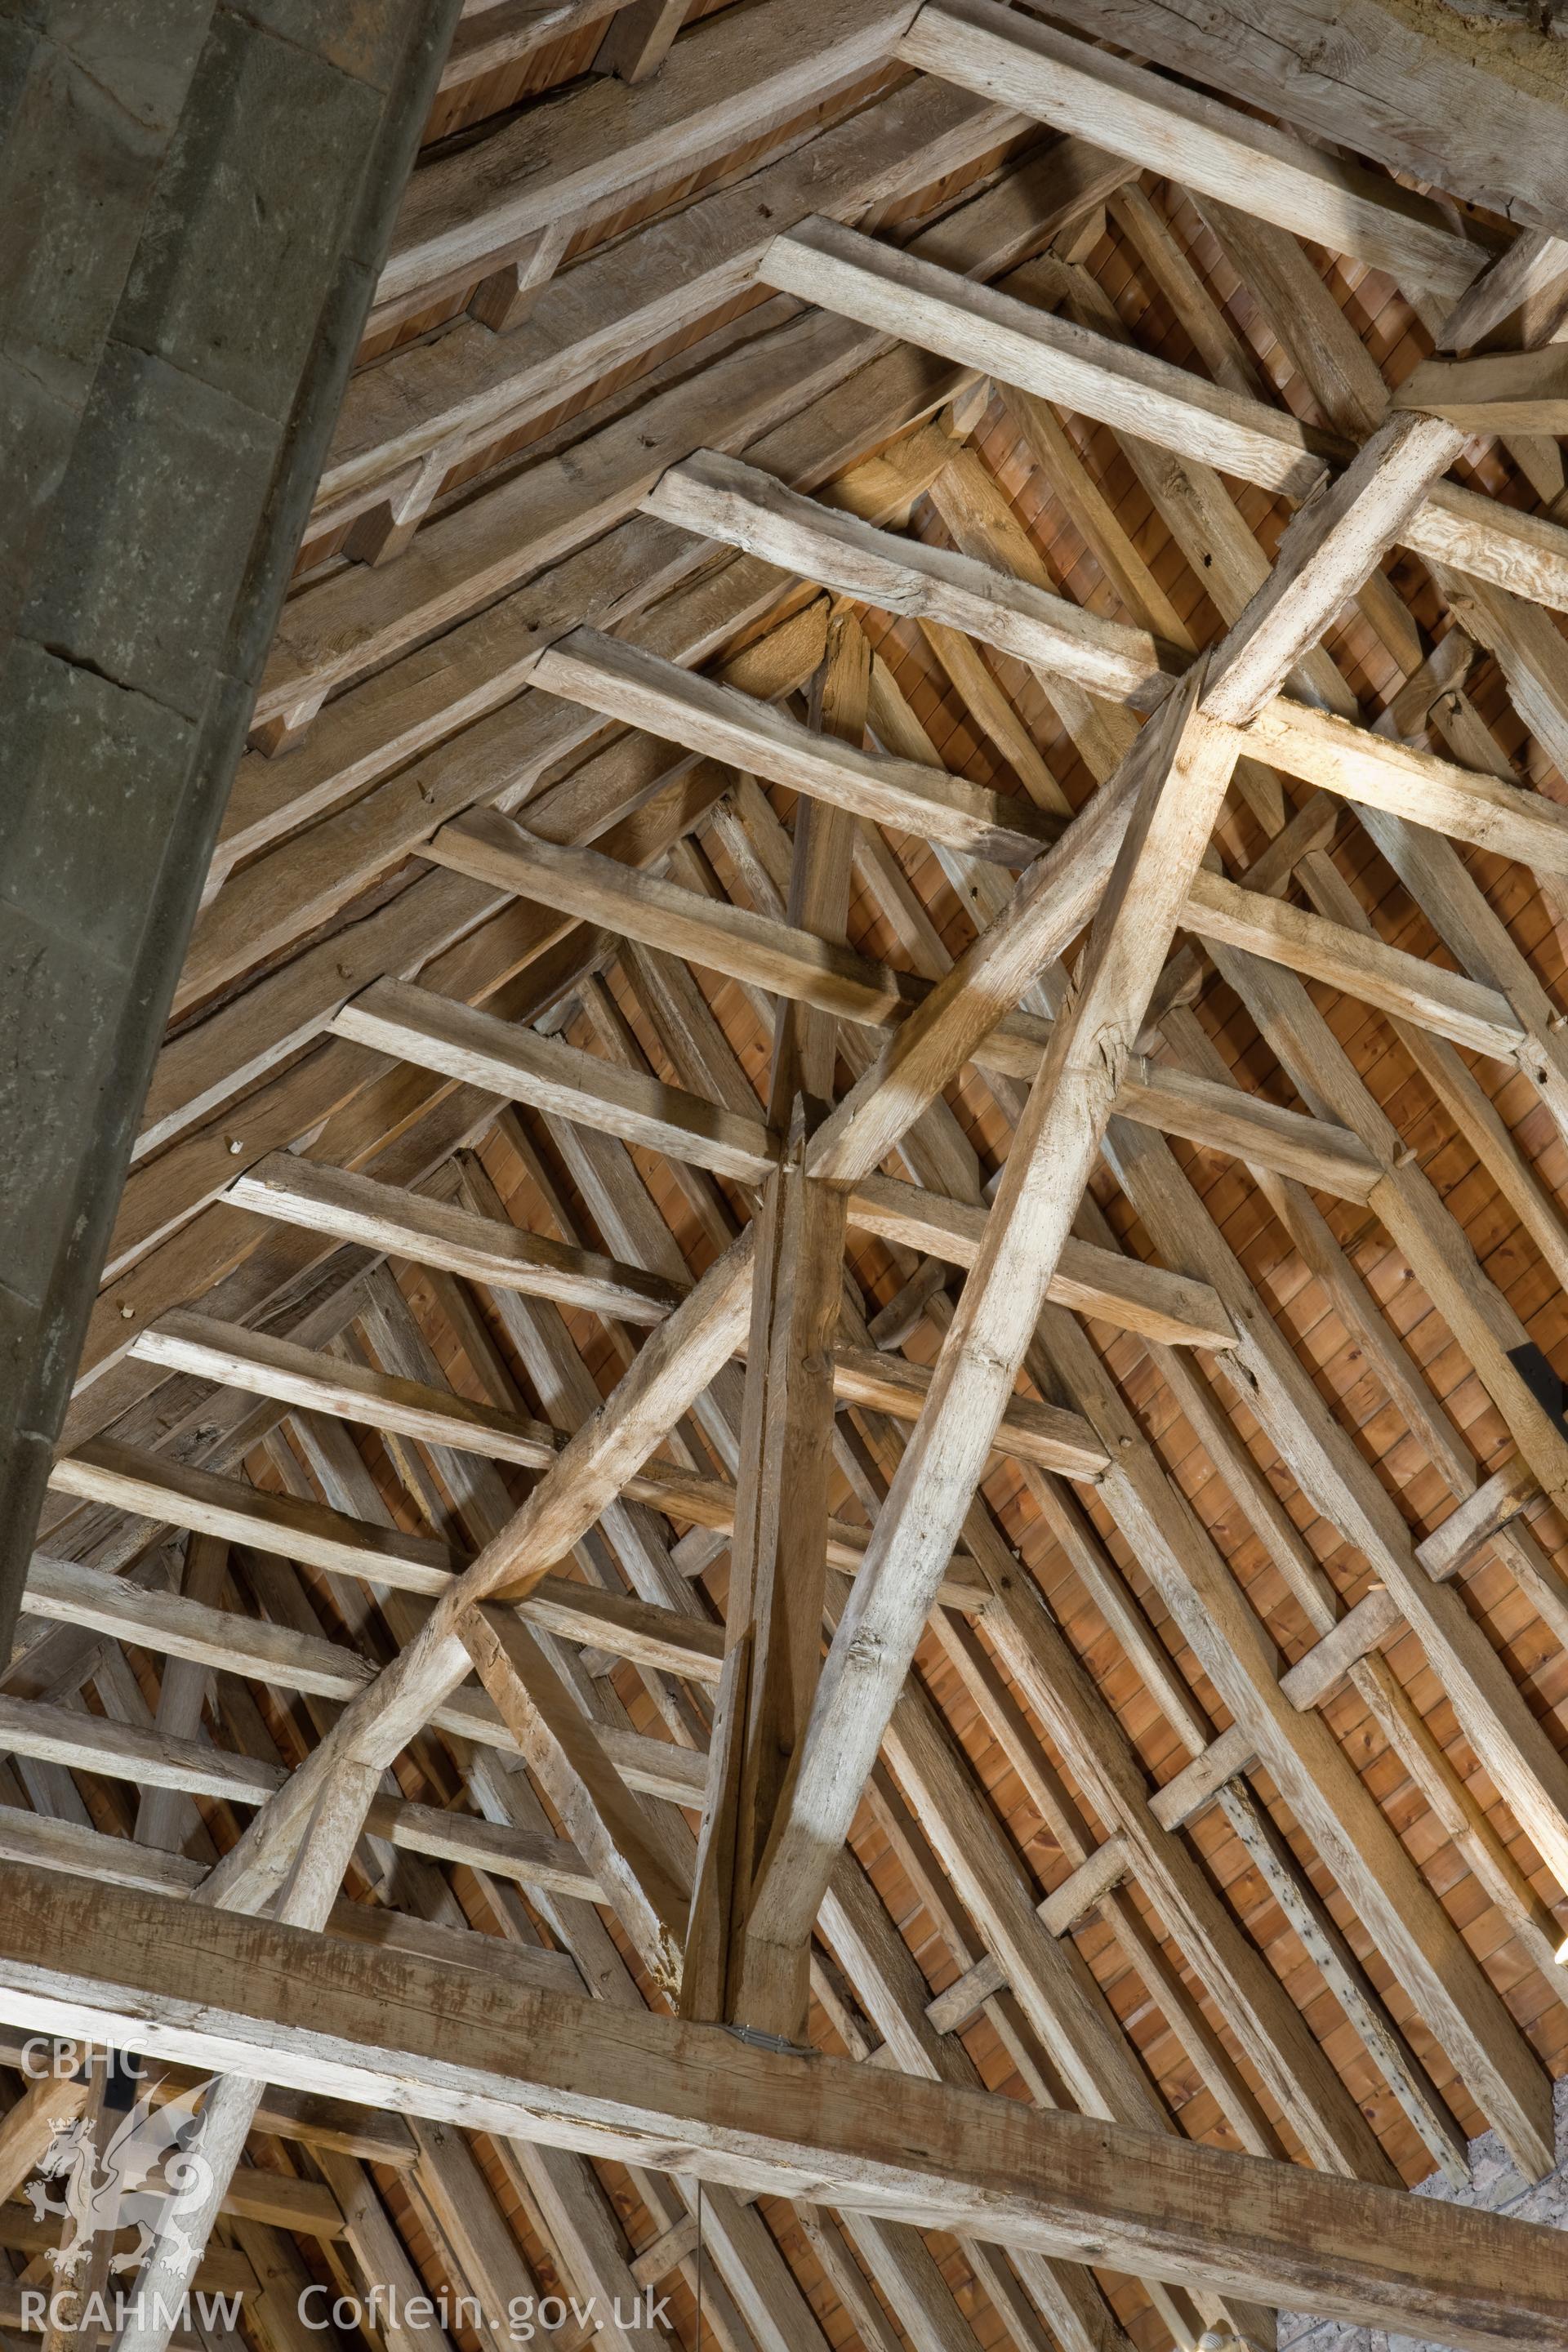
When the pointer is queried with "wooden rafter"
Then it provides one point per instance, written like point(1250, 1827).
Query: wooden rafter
point(868, 1103)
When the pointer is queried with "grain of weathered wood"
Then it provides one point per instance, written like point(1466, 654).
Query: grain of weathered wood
point(725, 498)
point(1059, 2183)
point(1507, 392)
point(980, 1357)
point(674, 1365)
point(229, 1508)
point(1180, 784)
point(743, 507)
point(624, 683)
point(1186, 136)
point(1178, 1969)
point(72, 1594)
point(478, 1049)
point(769, 953)
point(464, 209)
point(899, 294)
point(353, 1207)
point(773, 1614)
point(1419, 101)
point(806, 398)
point(576, 1773)
point(619, 300)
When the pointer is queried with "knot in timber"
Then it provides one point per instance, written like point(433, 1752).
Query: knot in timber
point(864, 1648)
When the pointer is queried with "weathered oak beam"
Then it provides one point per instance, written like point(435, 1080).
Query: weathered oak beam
point(843, 271)
point(1501, 391)
point(383, 1217)
point(1200, 141)
point(145, 1973)
point(416, 1024)
point(1093, 371)
point(766, 952)
point(625, 682)
point(725, 498)
point(67, 1593)
point(774, 1608)
point(233, 1355)
point(1364, 74)
point(674, 1366)
point(465, 209)
point(1182, 770)
point(621, 298)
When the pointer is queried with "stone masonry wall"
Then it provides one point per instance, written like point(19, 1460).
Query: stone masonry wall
point(197, 200)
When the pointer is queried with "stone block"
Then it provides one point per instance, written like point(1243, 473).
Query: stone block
point(140, 53)
point(309, 428)
point(26, 1453)
point(95, 776)
point(59, 1016)
point(153, 528)
point(242, 238)
point(38, 432)
point(75, 173)
point(363, 38)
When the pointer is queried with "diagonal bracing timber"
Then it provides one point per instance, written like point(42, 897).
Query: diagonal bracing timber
point(1183, 766)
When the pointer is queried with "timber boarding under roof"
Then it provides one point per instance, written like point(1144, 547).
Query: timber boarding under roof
point(838, 1310)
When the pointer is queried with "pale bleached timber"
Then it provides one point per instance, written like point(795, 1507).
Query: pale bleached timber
point(1180, 786)
point(1185, 135)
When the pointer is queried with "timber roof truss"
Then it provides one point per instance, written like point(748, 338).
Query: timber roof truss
point(835, 1316)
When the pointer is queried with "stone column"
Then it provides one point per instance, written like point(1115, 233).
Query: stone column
point(196, 201)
